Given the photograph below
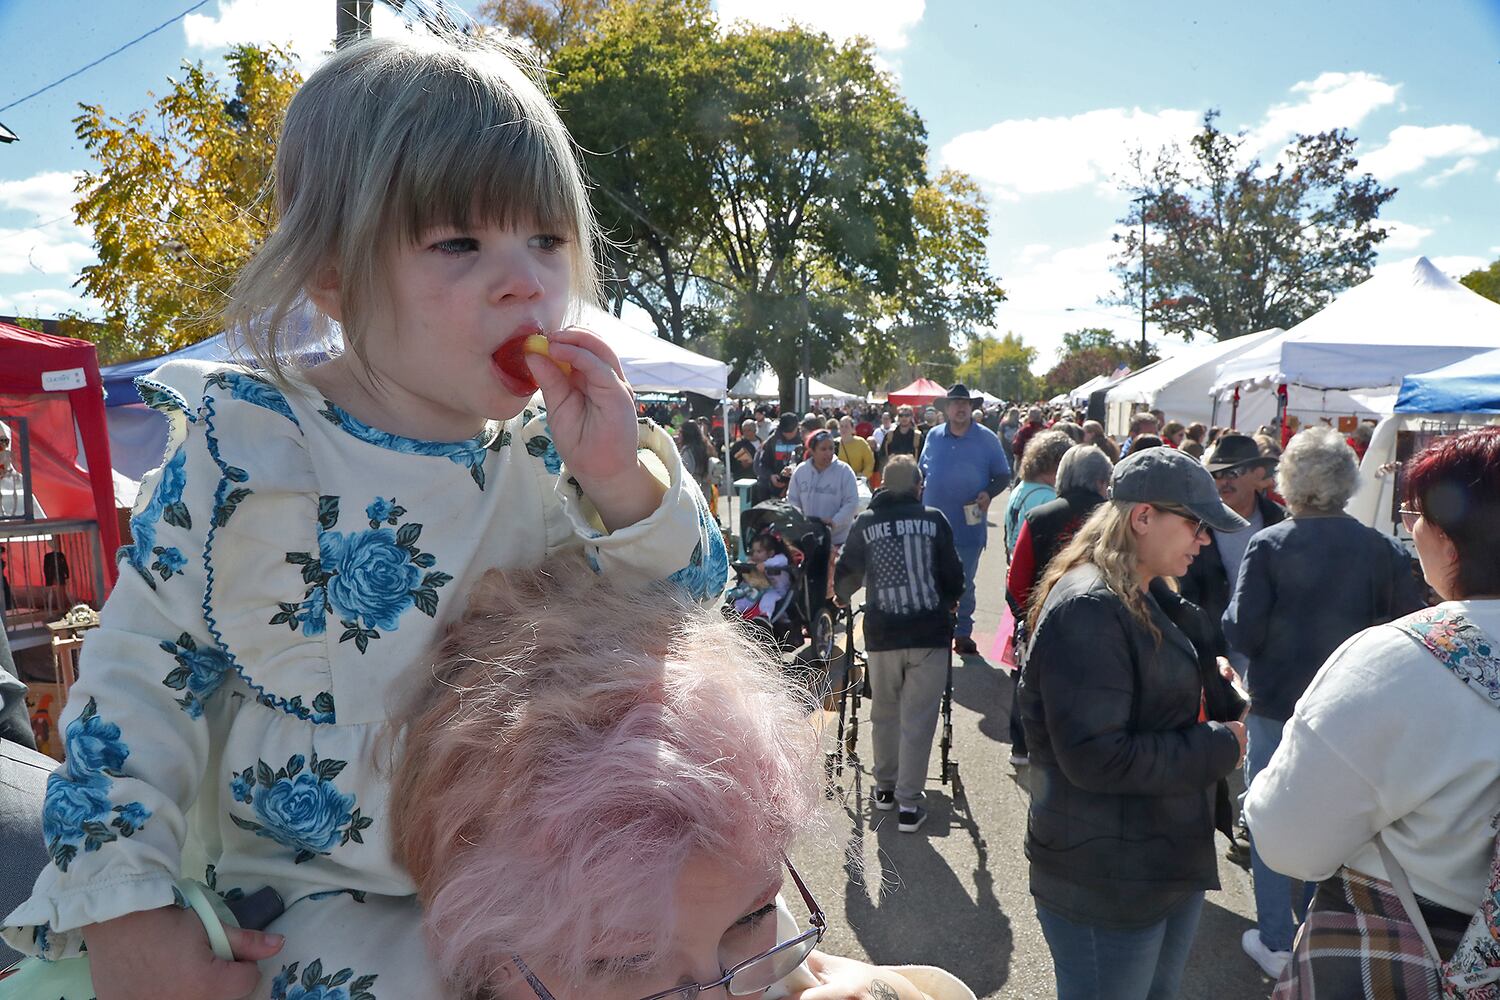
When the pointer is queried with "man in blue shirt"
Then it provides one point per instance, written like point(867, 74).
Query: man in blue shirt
point(963, 465)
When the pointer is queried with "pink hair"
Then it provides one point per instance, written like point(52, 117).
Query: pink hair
point(579, 743)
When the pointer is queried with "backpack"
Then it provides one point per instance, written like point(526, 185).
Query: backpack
point(1473, 972)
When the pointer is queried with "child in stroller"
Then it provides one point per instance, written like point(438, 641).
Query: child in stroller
point(803, 609)
point(762, 584)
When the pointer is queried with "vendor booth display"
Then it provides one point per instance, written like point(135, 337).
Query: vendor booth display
point(1180, 386)
point(60, 529)
point(1349, 359)
point(920, 393)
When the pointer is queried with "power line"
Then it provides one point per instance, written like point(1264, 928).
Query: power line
point(107, 55)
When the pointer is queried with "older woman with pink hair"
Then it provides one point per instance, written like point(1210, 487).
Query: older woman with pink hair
point(610, 811)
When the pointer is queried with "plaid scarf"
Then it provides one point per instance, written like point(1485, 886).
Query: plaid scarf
point(1358, 944)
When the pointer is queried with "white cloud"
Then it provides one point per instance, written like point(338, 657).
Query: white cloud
point(1333, 100)
point(886, 23)
point(46, 303)
point(1463, 166)
point(47, 195)
point(1028, 156)
point(1411, 147)
point(304, 26)
point(57, 249)
point(1403, 235)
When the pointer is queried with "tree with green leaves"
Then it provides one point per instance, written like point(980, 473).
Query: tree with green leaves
point(946, 290)
point(178, 199)
point(1235, 246)
point(547, 24)
point(1088, 353)
point(1484, 280)
point(1001, 366)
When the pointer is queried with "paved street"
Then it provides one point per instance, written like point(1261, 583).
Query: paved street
point(955, 894)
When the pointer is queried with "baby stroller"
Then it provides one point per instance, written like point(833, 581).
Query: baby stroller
point(805, 611)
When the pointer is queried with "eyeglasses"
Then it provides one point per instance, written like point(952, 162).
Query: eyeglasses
point(1200, 526)
point(754, 974)
point(1409, 518)
point(1229, 475)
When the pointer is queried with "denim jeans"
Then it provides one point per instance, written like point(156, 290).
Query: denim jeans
point(1280, 902)
point(969, 556)
point(1092, 963)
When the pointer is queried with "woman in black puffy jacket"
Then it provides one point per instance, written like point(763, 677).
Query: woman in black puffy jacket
point(1124, 758)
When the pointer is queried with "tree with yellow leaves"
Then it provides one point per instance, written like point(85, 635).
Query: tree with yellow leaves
point(178, 200)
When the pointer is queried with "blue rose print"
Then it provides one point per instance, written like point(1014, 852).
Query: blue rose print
point(371, 576)
point(299, 808)
point(253, 389)
point(199, 672)
point(368, 578)
point(165, 505)
point(77, 809)
point(704, 576)
point(314, 985)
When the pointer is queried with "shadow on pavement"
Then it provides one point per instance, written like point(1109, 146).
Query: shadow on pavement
point(985, 689)
point(922, 912)
point(1217, 967)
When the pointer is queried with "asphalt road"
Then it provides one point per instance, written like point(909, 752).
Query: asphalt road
point(955, 893)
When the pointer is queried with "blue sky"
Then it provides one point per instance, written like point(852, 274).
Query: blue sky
point(1040, 102)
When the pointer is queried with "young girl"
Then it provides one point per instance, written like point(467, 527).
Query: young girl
point(311, 532)
point(758, 593)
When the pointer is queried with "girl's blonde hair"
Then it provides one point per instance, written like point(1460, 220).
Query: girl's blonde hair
point(392, 137)
point(1107, 541)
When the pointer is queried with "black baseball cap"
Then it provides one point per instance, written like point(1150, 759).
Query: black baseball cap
point(1169, 477)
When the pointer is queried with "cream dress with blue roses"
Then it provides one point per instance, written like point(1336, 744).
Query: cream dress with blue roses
point(291, 569)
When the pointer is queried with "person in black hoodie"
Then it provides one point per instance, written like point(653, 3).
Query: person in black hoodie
point(1125, 755)
point(902, 553)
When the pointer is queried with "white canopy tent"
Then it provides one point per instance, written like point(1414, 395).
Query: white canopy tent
point(1080, 395)
point(652, 364)
point(1180, 386)
point(762, 384)
point(1351, 357)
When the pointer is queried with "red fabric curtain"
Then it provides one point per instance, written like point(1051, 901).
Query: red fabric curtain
point(57, 379)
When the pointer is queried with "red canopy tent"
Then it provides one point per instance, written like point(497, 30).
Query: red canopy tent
point(53, 382)
point(919, 393)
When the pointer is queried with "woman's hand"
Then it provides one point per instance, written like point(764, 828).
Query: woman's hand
point(592, 418)
point(846, 979)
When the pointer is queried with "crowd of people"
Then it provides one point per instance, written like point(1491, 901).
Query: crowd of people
point(1204, 640)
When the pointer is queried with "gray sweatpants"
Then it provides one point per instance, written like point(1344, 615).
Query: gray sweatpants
point(906, 687)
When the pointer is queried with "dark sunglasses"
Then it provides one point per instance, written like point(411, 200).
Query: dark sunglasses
point(1200, 526)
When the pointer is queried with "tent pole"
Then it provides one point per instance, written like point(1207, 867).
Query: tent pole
point(728, 471)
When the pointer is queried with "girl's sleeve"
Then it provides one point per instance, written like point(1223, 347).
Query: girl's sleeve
point(680, 541)
point(136, 735)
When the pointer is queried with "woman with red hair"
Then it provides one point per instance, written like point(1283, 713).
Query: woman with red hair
point(1387, 780)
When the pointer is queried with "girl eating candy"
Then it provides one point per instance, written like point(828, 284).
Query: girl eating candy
point(312, 531)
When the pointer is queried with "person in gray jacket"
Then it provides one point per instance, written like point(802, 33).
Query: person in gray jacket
point(824, 488)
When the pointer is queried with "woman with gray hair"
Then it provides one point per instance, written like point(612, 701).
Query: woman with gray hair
point(1038, 474)
point(1305, 585)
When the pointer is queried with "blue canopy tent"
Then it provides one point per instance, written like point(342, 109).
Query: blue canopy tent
point(1468, 386)
point(119, 380)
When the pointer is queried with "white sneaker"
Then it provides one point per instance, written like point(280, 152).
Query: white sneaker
point(1272, 963)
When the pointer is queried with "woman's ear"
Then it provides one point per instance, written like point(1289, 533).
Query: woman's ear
point(327, 293)
point(1140, 518)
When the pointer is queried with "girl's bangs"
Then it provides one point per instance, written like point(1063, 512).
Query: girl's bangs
point(474, 158)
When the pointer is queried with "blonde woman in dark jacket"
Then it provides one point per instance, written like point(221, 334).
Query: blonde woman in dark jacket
point(1120, 832)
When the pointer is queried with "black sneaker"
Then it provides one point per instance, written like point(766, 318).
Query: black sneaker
point(885, 799)
point(911, 820)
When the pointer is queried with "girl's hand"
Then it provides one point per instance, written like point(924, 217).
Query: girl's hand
point(163, 954)
point(591, 414)
point(846, 979)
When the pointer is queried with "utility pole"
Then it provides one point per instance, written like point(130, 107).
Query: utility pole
point(1145, 349)
point(353, 21)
